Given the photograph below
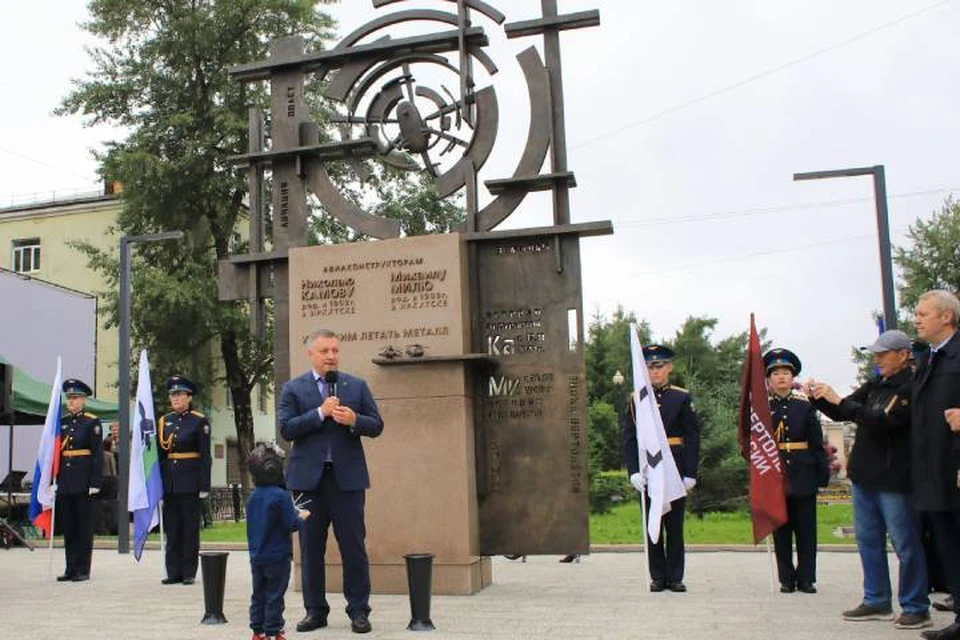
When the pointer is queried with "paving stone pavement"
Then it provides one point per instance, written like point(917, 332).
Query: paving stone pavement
point(603, 596)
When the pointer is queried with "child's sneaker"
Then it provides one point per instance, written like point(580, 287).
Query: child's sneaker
point(279, 636)
point(258, 636)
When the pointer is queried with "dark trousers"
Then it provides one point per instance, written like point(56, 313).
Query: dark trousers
point(76, 517)
point(802, 524)
point(938, 582)
point(344, 509)
point(946, 535)
point(266, 605)
point(666, 557)
point(181, 524)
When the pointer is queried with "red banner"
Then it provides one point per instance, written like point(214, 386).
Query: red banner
point(768, 506)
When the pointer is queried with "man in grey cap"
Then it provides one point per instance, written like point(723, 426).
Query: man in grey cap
point(879, 468)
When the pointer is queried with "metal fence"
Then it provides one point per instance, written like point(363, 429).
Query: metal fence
point(228, 503)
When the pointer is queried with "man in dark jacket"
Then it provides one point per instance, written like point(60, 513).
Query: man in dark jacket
point(936, 436)
point(879, 468)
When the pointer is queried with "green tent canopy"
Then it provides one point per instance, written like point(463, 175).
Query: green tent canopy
point(31, 397)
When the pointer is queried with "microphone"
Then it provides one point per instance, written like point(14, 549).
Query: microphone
point(330, 378)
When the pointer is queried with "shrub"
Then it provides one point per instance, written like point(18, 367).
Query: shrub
point(608, 488)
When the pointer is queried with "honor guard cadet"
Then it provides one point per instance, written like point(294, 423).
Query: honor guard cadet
point(184, 437)
point(79, 478)
point(799, 437)
point(682, 428)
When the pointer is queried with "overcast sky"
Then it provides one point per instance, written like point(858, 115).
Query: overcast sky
point(685, 122)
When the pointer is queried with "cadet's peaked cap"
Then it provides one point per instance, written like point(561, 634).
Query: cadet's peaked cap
point(657, 353)
point(781, 358)
point(892, 340)
point(180, 383)
point(74, 387)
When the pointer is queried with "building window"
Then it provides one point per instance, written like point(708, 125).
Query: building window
point(26, 255)
point(233, 462)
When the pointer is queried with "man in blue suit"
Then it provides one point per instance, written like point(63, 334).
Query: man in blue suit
point(324, 413)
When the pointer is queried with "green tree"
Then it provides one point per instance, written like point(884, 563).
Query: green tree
point(608, 352)
point(932, 259)
point(711, 372)
point(161, 75)
point(603, 437)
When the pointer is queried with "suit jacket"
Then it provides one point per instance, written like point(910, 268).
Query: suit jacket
point(936, 449)
point(312, 437)
point(679, 421)
point(795, 420)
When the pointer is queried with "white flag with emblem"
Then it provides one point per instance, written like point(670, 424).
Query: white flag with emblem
point(656, 462)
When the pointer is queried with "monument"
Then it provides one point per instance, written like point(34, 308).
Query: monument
point(472, 342)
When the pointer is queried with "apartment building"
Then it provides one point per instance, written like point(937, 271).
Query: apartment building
point(37, 238)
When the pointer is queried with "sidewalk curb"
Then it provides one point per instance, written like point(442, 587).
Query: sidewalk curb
point(107, 543)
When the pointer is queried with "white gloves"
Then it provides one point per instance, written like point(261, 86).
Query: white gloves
point(204, 494)
point(638, 482)
point(93, 491)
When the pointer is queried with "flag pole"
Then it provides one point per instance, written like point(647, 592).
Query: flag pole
point(770, 564)
point(53, 522)
point(163, 544)
point(643, 523)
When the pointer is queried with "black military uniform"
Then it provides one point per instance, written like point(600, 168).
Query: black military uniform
point(682, 427)
point(185, 468)
point(799, 437)
point(79, 478)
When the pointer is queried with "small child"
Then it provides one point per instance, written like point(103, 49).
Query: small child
point(271, 517)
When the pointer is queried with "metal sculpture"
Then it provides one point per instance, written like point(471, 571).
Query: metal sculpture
point(415, 103)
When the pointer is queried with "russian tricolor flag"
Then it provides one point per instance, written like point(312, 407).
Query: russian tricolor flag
point(43, 493)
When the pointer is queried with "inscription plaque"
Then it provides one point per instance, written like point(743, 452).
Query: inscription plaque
point(531, 439)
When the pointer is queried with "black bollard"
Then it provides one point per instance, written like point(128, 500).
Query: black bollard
point(419, 578)
point(213, 566)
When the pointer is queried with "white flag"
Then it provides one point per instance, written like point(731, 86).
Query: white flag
point(145, 486)
point(656, 462)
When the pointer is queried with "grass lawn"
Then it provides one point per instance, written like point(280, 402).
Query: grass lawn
point(225, 532)
point(220, 532)
point(622, 526)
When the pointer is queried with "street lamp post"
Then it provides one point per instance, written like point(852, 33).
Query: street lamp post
point(123, 402)
point(883, 229)
point(617, 381)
